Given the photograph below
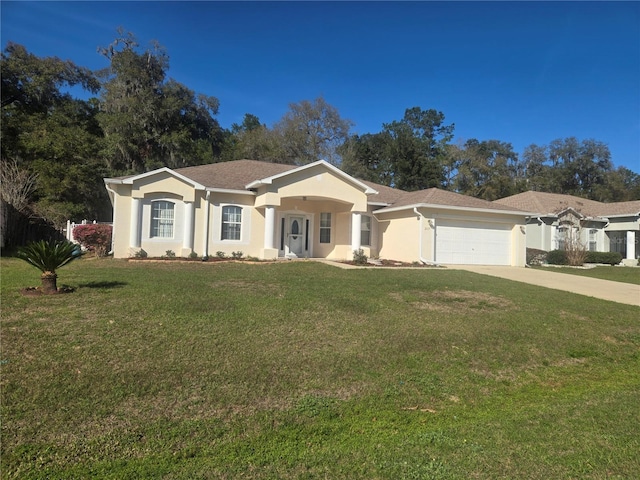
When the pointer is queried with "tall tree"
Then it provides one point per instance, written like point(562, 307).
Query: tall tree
point(569, 166)
point(368, 157)
point(620, 185)
point(489, 170)
point(312, 131)
point(51, 135)
point(418, 148)
point(148, 121)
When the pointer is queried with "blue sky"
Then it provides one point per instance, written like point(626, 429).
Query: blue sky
point(518, 72)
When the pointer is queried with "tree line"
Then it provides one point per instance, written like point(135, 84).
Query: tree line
point(57, 148)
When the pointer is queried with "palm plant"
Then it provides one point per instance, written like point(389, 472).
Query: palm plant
point(49, 257)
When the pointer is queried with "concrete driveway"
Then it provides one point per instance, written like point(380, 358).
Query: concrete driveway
point(591, 287)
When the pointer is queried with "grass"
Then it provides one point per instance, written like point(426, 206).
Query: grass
point(299, 370)
point(615, 274)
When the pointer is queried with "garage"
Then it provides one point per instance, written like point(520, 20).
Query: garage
point(473, 243)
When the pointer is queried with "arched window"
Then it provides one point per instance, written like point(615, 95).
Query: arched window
point(162, 219)
point(231, 222)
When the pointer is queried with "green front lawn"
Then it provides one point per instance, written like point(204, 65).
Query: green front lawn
point(615, 274)
point(301, 370)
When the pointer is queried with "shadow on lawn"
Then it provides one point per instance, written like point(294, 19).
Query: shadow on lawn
point(103, 285)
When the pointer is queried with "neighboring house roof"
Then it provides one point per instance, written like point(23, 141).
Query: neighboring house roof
point(550, 204)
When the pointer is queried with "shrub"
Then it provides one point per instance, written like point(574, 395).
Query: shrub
point(237, 255)
point(611, 258)
point(557, 257)
point(49, 257)
point(359, 258)
point(94, 237)
point(536, 257)
point(193, 255)
point(170, 254)
point(220, 254)
point(140, 254)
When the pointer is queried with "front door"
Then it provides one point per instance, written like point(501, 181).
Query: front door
point(295, 240)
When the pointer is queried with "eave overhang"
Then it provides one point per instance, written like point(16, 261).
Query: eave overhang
point(453, 208)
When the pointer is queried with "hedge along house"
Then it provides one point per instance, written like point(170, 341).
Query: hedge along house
point(269, 210)
point(598, 226)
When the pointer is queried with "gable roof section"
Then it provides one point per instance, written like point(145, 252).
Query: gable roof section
point(268, 180)
point(129, 179)
point(449, 200)
point(551, 204)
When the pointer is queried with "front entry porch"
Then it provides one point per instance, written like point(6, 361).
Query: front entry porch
point(305, 228)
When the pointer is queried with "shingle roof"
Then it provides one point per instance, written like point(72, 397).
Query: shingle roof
point(385, 194)
point(235, 175)
point(552, 203)
point(436, 196)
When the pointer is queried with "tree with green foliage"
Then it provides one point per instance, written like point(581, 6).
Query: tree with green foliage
point(368, 157)
point(579, 167)
point(573, 167)
point(488, 170)
point(49, 257)
point(50, 135)
point(418, 148)
point(148, 121)
point(620, 185)
point(409, 154)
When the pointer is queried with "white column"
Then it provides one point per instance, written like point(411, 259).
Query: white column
point(269, 227)
point(631, 244)
point(356, 230)
point(600, 236)
point(187, 238)
point(134, 234)
point(205, 247)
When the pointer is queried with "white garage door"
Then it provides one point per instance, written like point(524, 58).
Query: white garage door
point(473, 243)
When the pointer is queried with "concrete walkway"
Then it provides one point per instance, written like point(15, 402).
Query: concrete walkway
point(591, 287)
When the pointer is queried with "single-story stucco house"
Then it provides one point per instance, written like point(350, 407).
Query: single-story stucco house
point(270, 210)
point(602, 227)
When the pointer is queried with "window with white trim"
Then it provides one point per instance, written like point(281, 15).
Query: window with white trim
point(325, 227)
point(162, 219)
point(231, 222)
point(593, 240)
point(562, 237)
point(365, 230)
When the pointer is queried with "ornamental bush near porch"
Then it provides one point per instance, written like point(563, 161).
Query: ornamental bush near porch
point(95, 237)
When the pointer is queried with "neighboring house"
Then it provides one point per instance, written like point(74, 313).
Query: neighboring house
point(270, 210)
point(602, 227)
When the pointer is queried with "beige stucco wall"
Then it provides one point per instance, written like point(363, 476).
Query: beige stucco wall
point(252, 235)
point(121, 220)
point(398, 236)
point(163, 182)
point(313, 183)
point(308, 193)
point(405, 237)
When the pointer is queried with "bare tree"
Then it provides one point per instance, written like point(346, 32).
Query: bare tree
point(571, 238)
point(17, 185)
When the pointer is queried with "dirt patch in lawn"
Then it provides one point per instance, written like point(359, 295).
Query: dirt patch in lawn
point(453, 300)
